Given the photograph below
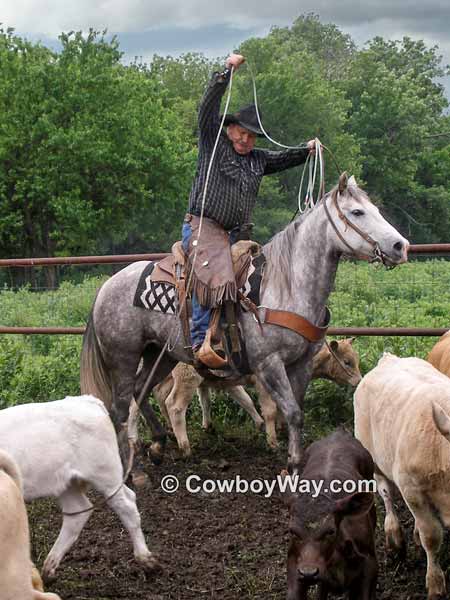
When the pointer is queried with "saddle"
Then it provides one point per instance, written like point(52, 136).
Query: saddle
point(219, 345)
point(241, 252)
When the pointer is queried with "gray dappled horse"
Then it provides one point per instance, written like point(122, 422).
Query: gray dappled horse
point(299, 275)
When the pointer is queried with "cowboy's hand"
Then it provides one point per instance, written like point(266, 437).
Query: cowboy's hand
point(234, 60)
point(311, 145)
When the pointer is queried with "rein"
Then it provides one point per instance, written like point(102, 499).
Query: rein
point(168, 345)
point(377, 256)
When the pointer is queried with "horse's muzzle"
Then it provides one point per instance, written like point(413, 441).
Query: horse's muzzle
point(397, 255)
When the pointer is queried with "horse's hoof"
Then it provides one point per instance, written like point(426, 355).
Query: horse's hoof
point(294, 468)
point(156, 453)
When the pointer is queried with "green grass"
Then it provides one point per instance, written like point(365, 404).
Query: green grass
point(36, 368)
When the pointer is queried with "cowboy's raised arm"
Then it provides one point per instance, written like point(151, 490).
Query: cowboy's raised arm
point(279, 161)
point(208, 115)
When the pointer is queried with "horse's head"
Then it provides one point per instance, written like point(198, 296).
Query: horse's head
point(359, 228)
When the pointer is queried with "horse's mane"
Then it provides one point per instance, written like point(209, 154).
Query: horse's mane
point(279, 253)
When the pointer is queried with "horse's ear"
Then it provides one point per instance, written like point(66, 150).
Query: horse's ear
point(343, 182)
point(352, 181)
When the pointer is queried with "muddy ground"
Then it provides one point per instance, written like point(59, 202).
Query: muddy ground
point(228, 546)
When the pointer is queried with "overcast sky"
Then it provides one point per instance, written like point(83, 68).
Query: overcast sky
point(171, 27)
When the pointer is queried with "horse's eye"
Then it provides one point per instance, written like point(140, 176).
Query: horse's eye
point(347, 363)
point(357, 212)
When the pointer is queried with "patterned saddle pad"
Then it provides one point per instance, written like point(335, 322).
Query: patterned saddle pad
point(162, 296)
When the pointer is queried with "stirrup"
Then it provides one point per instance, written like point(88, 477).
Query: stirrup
point(208, 356)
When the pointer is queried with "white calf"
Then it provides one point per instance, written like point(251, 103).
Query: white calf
point(402, 416)
point(15, 561)
point(63, 448)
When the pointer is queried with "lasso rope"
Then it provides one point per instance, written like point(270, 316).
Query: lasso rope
point(168, 345)
point(211, 160)
point(310, 163)
point(195, 242)
point(309, 202)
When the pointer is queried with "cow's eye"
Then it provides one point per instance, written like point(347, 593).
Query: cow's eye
point(357, 212)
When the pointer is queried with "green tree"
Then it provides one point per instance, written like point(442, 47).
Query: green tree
point(88, 150)
point(298, 101)
point(184, 80)
point(396, 105)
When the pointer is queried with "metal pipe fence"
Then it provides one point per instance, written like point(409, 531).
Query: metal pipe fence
point(418, 249)
point(348, 331)
point(129, 258)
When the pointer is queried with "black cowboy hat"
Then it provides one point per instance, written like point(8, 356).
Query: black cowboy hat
point(247, 118)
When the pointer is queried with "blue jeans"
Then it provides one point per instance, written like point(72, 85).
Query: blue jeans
point(200, 314)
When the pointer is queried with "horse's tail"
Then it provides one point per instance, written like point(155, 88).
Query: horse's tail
point(94, 375)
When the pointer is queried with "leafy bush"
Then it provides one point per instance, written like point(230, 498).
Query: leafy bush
point(36, 368)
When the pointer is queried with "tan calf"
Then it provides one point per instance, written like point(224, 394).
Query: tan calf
point(17, 575)
point(439, 355)
point(402, 416)
point(175, 393)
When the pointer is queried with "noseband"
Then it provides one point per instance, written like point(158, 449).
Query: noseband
point(378, 256)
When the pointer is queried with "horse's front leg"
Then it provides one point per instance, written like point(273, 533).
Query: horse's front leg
point(278, 382)
point(299, 375)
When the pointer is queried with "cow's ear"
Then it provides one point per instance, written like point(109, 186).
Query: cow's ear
point(334, 345)
point(441, 420)
point(358, 503)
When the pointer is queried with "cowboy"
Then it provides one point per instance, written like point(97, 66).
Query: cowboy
point(232, 187)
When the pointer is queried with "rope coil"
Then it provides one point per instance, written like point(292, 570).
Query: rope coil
point(310, 163)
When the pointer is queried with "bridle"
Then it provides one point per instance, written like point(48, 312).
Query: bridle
point(377, 256)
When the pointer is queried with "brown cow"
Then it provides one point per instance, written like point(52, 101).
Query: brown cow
point(439, 355)
point(175, 393)
point(332, 541)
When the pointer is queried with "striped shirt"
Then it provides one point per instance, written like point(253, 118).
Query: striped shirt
point(234, 179)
